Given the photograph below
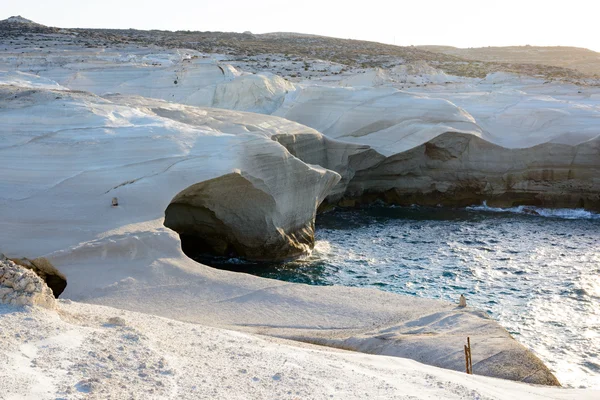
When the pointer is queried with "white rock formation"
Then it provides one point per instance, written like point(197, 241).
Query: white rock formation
point(520, 112)
point(370, 78)
point(505, 109)
point(23, 79)
point(421, 73)
point(261, 93)
point(404, 75)
point(148, 154)
point(22, 287)
point(111, 150)
point(304, 143)
point(67, 154)
point(388, 120)
point(458, 170)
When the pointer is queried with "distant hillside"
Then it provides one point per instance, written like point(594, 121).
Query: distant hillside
point(16, 25)
point(18, 20)
point(354, 53)
point(343, 51)
point(582, 60)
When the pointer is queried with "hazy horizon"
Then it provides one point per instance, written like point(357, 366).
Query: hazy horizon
point(464, 23)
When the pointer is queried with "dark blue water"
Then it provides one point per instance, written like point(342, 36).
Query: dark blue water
point(538, 275)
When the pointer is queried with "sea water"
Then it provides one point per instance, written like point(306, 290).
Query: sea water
point(535, 271)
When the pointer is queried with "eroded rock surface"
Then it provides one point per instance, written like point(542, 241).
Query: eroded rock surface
point(242, 216)
point(45, 270)
point(223, 171)
point(20, 286)
point(459, 170)
point(341, 157)
point(146, 153)
point(438, 338)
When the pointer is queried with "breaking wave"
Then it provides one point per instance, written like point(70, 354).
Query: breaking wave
point(565, 213)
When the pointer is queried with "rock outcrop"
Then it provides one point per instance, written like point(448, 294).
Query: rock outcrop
point(146, 154)
point(341, 157)
point(262, 93)
point(459, 170)
point(438, 338)
point(238, 215)
point(302, 142)
point(386, 119)
point(45, 270)
point(408, 149)
point(249, 185)
point(20, 286)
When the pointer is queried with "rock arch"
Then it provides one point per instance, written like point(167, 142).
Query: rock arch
point(234, 216)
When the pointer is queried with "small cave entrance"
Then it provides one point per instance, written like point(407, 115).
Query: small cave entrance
point(233, 223)
point(46, 271)
point(200, 231)
point(202, 240)
point(192, 214)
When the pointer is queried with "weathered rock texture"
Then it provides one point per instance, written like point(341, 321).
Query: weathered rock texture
point(387, 120)
point(229, 216)
point(151, 152)
point(459, 170)
point(438, 338)
point(341, 157)
point(20, 286)
point(45, 270)
point(242, 216)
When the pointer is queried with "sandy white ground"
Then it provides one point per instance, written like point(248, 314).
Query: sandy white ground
point(95, 352)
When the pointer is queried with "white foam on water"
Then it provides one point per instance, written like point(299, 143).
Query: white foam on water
point(565, 213)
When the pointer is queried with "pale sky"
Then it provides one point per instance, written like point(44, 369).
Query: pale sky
point(461, 23)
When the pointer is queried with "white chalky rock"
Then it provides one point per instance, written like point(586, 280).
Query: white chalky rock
point(22, 287)
point(30, 288)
